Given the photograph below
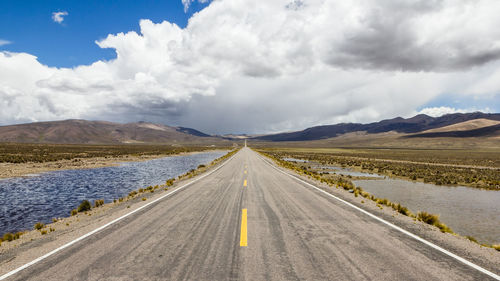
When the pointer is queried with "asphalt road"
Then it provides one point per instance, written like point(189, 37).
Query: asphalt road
point(292, 233)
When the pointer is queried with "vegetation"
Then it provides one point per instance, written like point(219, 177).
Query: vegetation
point(39, 226)
point(432, 166)
point(40, 153)
point(84, 206)
point(98, 203)
point(433, 220)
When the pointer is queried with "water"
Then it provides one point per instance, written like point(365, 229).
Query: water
point(27, 200)
point(350, 172)
point(295, 160)
point(468, 211)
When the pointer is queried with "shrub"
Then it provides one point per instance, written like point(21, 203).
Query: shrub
point(143, 198)
point(98, 203)
point(39, 225)
point(74, 212)
point(201, 166)
point(496, 247)
point(43, 232)
point(84, 206)
point(8, 237)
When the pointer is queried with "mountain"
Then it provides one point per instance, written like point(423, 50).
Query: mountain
point(192, 132)
point(100, 132)
point(416, 124)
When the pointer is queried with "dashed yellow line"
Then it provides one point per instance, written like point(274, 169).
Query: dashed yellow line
point(245, 183)
point(243, 236)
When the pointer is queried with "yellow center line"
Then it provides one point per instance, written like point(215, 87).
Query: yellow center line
point(245, 171)
point(243, 236)
point(245, 183)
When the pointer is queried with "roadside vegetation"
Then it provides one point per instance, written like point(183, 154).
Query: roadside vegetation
point(41, 153)
point(344, 182)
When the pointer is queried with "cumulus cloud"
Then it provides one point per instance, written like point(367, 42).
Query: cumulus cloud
point(58, 17)
point(4, 42)
point(254, 66)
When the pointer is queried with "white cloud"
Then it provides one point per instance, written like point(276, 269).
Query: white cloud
point(253, 66)
point(4, 42)
point(58, 17)
point(443, 110)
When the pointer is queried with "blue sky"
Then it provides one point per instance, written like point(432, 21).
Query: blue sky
point(28, 25)
point(247, 66)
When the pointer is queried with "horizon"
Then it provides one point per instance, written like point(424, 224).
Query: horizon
point(232, 66)
point(247, 134)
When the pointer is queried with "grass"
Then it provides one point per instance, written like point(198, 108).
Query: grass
point(98, 203)
point(433, 220)
point(474, 168)
point(40, 153)
point(38, 226)
point(84, 206)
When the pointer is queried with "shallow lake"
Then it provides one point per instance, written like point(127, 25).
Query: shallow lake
point(467, 210)
point(27, 200)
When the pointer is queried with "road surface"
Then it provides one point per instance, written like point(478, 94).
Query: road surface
point(248, 221)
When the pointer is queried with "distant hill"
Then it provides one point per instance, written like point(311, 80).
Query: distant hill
point(192, 132)
point(100, 132)
point(416, 124)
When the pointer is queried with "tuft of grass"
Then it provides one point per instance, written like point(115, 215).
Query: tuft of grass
point(143, 198)
point(170, 182)
point(74, 212)
point(84, 206)
point(433, 220)
point(496, 247)
point(54, 219)
point(132, 193)
point(43, 232)
point(98, 203)
point(428, 218)
point(38, 226)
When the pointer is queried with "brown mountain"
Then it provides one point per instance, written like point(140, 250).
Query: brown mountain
point(100, 132)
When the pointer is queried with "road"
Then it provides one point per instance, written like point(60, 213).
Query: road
point(248, 221)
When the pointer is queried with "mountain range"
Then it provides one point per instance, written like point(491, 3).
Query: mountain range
point(416, 126)
point(459, 125)
point(100, 132)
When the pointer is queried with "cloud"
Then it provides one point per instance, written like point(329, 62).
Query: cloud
point(263, 66)
point(187, 3)
point(443, 110)
point(4, 42)
point(58, 17)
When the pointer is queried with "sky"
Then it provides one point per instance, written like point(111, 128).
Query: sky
point(234, 66)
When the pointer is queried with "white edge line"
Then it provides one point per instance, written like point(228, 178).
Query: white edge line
point(108, 224)
point(477, 267)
